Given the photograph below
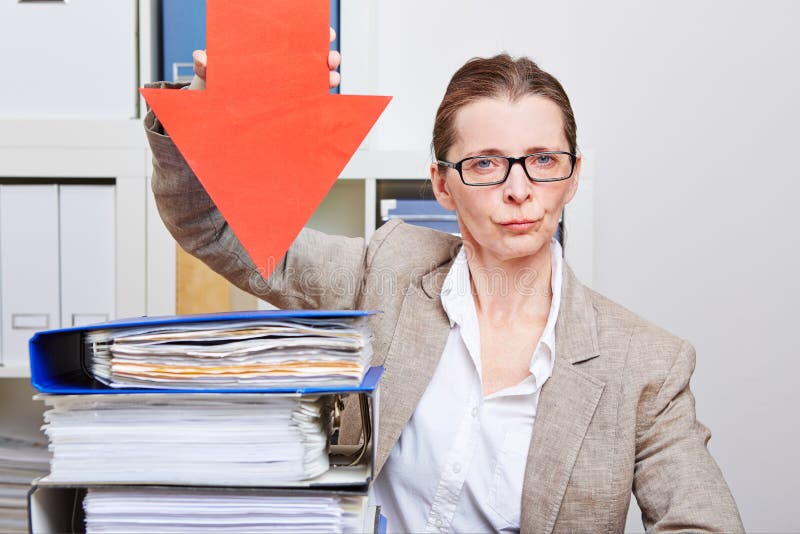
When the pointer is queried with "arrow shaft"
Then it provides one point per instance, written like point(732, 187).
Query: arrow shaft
point(278, 46)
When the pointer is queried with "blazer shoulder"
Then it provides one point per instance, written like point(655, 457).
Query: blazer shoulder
point(400, 246)
point(648, 347)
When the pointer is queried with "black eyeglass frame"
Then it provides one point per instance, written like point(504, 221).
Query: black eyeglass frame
point(511, 161)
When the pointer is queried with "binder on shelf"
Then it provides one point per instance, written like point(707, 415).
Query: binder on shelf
point(421, 212)
point(183, 31)
point(61, 362)
point(29, 275)
point(87, 237)
point(62, 44)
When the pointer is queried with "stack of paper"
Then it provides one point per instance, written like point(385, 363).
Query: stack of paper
point(126, 510)
point(242, 439)
point(21, 461)
point(298, 352)
point(205, 423)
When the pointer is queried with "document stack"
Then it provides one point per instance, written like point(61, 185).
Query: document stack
point(216, 423)
point(268, 352)
point(21, 461)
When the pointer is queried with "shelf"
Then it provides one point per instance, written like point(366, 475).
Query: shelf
point(15, 371)
point(72, 133)
point(387, 165)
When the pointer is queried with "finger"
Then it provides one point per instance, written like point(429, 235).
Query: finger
point(200, 62)
point(334, 60)
point(333, 34)
point(334, 79)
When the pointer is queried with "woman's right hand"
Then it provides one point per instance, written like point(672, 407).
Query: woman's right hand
point(334, 59)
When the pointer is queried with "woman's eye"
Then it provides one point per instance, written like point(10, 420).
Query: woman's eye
point(482, 165)
point(544, 160)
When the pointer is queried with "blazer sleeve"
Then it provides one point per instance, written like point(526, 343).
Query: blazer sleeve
point(318, 271)
point(677, 483)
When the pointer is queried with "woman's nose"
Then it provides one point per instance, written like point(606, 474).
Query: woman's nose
point(517, 185)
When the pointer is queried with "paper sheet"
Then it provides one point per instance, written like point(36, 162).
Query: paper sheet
point(181, 510)
point(186, 439)
point(306, 352)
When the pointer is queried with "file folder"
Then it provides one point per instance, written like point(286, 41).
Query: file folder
point(58, 509)
point(351, 466)
point(60, 360)
point(55, 506)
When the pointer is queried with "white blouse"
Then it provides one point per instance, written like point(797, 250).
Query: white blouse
point(459, 463)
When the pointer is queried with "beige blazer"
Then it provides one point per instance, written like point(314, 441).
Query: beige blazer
point(616, 415)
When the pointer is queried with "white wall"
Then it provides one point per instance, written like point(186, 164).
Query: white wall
point(688, 110)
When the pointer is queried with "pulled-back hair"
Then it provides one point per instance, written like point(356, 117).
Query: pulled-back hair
point(498, 76)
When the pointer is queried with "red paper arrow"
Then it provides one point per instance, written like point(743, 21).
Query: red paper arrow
point(265, 138)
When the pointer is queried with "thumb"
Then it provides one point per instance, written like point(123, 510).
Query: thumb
point(200, 63)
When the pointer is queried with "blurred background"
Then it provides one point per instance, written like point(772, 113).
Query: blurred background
point(687, 117)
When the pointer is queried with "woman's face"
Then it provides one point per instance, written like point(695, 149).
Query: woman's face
point(517, 218)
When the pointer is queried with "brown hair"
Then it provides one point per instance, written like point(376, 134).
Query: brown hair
point(494, 77)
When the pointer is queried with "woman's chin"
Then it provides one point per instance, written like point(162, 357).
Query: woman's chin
point(518, 251)
point(505, 247)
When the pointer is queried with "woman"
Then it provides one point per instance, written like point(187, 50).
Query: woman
point(513, 398)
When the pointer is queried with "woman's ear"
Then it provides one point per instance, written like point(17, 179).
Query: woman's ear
point(440, 188)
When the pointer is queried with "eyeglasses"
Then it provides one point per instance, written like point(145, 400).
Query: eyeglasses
point(492, 170)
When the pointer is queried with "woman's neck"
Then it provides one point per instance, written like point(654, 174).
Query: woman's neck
point(505, 290)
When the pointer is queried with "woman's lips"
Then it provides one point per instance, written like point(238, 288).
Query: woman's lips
point(520, 225)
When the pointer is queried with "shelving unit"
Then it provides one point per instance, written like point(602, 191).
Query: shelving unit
point(67, 149)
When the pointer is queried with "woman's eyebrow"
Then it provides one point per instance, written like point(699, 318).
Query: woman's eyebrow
point(535, 149)
point(499, 152)
point(485, 152)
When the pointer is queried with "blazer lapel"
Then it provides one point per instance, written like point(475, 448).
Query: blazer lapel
point(414, 353)
point(566, 406)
